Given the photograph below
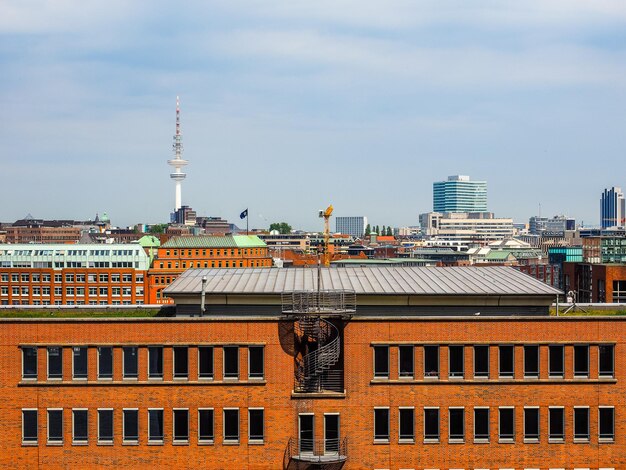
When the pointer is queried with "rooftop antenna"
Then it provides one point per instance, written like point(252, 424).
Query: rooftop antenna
point(178, 162)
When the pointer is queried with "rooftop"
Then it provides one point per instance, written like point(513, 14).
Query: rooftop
point(228, 241)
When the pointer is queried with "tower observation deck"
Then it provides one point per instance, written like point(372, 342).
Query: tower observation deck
point(178, 162)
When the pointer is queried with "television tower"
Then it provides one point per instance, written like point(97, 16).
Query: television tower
point(178, 162)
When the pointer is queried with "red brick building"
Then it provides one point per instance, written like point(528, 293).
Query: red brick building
point(604, 283)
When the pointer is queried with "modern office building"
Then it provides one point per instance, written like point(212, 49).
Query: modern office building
point(459, 194)
point(379, 368)
point(354, 226)
point(612, 208)
point(555, 226)
point(465, 227)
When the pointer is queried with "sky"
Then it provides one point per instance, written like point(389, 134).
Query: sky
point(287, 107)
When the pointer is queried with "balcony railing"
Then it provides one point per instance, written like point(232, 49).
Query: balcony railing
point(318, 451)
point(322, 302)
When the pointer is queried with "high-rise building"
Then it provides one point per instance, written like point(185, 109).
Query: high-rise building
point(459, 194)
point(612, 208)
point(354, 226)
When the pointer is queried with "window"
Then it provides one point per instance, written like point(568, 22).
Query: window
point(181, 362)
point(481, 362)
point(406, 367)
point(556, 369)
point(255, 362)
point(231, 362)
point(407, 424)
point(457, 361)
point(231, 425)
point(481, 424)
point(457, 424)
point(55, 426)
point(205, 362)
point(55, 362)
point(381, 362)
point(130, 426)
point(30, 426)
point(531, 424)
point(79, 361)
point(581, 361)
point(155, 362)
point(29, 363)
point(431, 362)
point(531, 362)
point(506, 361)
point(255, 425)
point(581, 424)
point(381, 424)
point(130, 362)
point(606, 418)
point(556, 425)
point(155, 425)
point(105, 362)
point(606, 353)
point(181, 426)
point(205, 425)
point(507, 424)
point(431, 424)
point(79, 427)
point(105, 426)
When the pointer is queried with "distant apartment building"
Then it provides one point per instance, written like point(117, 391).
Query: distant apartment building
point(604, 250)
point(598, 283)
point(43, 234)
point(612, 208)
point(459, 194)
point(480, 227)
point(184, 215)
point(354, 226)
point(286, 241)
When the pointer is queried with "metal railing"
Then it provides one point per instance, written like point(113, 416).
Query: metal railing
point(323, 301)
point(319, 451)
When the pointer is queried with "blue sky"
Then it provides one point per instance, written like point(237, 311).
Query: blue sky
point(290, 106)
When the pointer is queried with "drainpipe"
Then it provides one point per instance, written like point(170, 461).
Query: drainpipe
point(203, 295)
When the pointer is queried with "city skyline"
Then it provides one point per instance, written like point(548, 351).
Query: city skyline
point(529, 98)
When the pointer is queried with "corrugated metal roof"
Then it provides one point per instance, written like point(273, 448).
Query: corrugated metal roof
point(208, 241)
point(462, 280)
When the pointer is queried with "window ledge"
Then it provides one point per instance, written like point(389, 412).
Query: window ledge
point(206, 442)
point(130, 443)
point(531, 441)
point(105, 443)
point(30, 444)
point(456, 441)
point(180, 442)
point(230, 443)
point(506, 441)
point(578, 440)
point(406, 441)
point(559, 440)
point(80, 443)
point(55, 443)
point(381, 441)
point(481, 441)
point(155, 443)
point(431, 441)
point(256, 442)
point(606, 440)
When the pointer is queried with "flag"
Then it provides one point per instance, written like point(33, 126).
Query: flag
point(244, 214)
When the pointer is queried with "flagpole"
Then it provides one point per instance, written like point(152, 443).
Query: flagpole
point(247, 220)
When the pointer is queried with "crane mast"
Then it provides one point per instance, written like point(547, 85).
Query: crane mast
point(325, 249)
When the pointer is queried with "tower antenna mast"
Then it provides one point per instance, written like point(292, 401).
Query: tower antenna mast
point(178, 162)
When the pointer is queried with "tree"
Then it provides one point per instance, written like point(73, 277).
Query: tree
point(389, 232)
point(282, 227)
point(368, 230)
point(377, 230)
point(383, 231)
point(158, 228)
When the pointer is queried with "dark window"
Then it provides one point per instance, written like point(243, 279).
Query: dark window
point(255, 424)
point(581, 423)
point(581, 361)
point(55, 362)
point(431, 361)
point(105, 363)
point(457, 361)
point(431, 424)
point(55, 425)
point(155, 362)
point(181, 425)
point(205, 425)
point(256, 362)
point(481, 361)
point(531, 423)
point(407, 424)
point(231, 362)
point(506, 361)
point(531, 361)
point(457, 424)
point(80, 362)
point(507, 424)
point(381, 361)
point(181, 362)
point(131, 426)
point(130, 362)
point(481, 424)
point(607, 360)
point(29, 426)
point(79, 420)
point(155, 425)
point(205, 359)
point(381, 424)
point(606, 417)
point(231, 425)
point(29, 363)
point(556, 361)
point(557, 424)
point(105, 425)
point(406, 361)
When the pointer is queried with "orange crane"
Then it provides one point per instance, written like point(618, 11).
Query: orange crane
point(325, 249)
